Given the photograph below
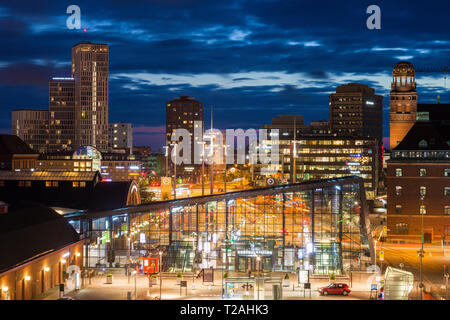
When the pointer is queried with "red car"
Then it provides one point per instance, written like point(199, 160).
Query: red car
point(335, 288)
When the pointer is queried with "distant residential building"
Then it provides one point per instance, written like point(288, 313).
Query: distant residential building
point(120, 136)
point(418, 186)
point(31, 125)
point(182, 113)
point(61, 114)
point(403, 102)
point(15, 154)
point(355, 110)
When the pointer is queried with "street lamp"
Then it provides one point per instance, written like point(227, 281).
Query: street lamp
point(160, 278)
point(257, 284)
point(135, 286)
point(421, 252)
point(175, 145)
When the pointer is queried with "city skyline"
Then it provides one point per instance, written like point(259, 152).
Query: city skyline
point(236, 56)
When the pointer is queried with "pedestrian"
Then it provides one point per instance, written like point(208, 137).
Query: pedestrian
point(126, 268)
point(249, 271)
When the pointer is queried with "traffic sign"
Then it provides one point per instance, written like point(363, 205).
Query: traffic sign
point(270, 181)
point(381, 255)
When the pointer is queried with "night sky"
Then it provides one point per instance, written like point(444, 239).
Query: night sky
point(252, 60)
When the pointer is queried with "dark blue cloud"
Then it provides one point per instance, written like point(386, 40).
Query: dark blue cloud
point(250, 59)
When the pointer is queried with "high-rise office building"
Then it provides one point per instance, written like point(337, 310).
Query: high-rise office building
point(120, 136)
point(183, 112)
point(90, 71)
point(61, 113)
point(78, 106)
point(403, 102)
point(31, 125)
point(355, 110)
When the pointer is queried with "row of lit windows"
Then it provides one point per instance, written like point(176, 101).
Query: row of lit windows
point(422, 191)
point(422, 209)
point(422, 172)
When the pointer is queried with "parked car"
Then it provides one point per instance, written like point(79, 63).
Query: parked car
point(66, 298)
point(335, 288)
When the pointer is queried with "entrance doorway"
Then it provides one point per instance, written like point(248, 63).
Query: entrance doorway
point(427, 237)
point(245, 262)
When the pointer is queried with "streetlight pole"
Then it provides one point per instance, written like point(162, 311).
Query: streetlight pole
point(135, 285)
point(167, 160)
point(160, 278)
point(225, 172)
point(175, 173)
point(203, 168)
point(421, 252)
point(212, 155)
point(258, 259)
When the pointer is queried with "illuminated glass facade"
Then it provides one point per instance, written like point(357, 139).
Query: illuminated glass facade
point(329, 157)
point(321, 226)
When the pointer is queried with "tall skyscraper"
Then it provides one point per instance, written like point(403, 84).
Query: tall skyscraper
point(61, 113)
point(90, 71)
point(182, 112)
point(403, 102)
point(355, 110)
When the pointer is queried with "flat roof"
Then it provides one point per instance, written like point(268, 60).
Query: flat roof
point(48, 175)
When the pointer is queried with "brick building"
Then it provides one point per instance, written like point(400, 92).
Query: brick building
point(418, 185)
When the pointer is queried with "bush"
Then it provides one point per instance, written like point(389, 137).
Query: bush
point(332, 276)
point(225, 275)
point(287, 276)
point(109, 275)
point(179, 275)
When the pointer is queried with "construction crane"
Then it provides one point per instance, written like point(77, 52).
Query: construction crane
point(443, 69)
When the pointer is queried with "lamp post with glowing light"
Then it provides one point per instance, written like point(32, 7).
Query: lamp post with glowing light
point(421, 252)
point(160, 277)
point(258, 277)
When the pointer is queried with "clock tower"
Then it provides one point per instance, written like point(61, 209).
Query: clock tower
point(403, 102)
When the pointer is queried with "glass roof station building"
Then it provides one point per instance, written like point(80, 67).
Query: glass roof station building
point(318, 225)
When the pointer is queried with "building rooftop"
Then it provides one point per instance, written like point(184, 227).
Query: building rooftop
point(30, 230)
point(424, 135)
point(12, 144)
point(49, 175)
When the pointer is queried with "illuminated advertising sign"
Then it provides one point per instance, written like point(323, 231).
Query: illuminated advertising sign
point(303, 276)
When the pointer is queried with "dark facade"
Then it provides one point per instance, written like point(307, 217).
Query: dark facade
point(74, 190)
point(16, 154)
point(61, 114)
point(183, 112)
point(287, 125)
point(355, 110)
point(418, 186)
